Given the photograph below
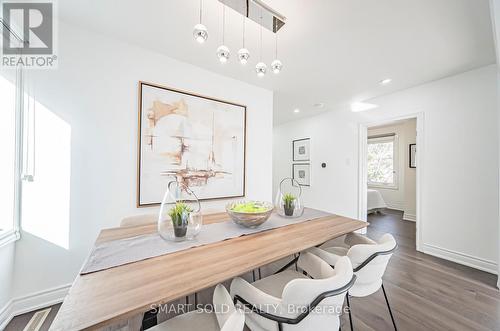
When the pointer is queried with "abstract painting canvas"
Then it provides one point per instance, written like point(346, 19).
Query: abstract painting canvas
point(196, 140)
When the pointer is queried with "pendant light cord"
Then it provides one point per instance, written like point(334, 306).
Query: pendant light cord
point(223, 23)
point(261, 36)
point(201, 10)
point(276, 46)
point(243, 31)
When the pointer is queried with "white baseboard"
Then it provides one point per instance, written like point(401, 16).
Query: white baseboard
point(6, 315)
point(395, 205)
point(409, 217)
point(32, 302)
point(461, 258)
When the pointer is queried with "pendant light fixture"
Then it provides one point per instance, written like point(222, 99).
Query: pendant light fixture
point(261, 67)
point(276, 65)
point(243, 53)
point(200, 32)
point(223, 51)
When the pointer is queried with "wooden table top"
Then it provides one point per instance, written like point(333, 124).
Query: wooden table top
point(105, 297)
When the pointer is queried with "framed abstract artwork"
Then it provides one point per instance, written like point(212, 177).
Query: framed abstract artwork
point(301, 149)
point(301, 172)
point(196, 140)
point(413, 155)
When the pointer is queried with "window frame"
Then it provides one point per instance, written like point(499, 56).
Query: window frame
point(392, 137)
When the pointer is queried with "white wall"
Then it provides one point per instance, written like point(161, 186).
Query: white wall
point(495, 17)
point(459, 197)
point(86, 149)
point(410, 211)
point(404, 196)
point(7, 96)
point(6, 280)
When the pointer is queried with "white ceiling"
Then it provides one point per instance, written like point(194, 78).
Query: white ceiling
point(333, 51)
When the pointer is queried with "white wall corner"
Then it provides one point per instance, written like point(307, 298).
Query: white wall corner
point(461, 258)
point(31, 302)
point(495, 20)
point(9, 237)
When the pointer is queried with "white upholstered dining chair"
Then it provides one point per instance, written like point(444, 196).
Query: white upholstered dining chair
point(369, 260)
point(224, 316)
point(290, 300)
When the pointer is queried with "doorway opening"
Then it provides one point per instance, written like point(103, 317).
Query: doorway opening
point(390, 174)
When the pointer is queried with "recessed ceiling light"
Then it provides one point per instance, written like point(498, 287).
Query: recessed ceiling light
point(385, 81)
point(296, 110)
point(319, 105)
point(362, 106)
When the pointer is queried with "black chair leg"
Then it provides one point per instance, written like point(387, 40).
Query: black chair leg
point(389, 306)
point(349, 307)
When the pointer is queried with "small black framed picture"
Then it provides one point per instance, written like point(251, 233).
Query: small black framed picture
point(413, 155)
point(301, 149)
point(301, 172)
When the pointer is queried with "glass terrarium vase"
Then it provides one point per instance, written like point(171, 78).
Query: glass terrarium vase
point(288, 201)
point(180, 213)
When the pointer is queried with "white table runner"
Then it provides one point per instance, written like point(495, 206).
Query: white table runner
point(123, 251)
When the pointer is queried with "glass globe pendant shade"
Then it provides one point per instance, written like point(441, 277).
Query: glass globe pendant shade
point(223, 53)
point(261, 69)
point(200, 33)
point(288, 202)
point(180, 213)
point(276, 66)
point(243, 55)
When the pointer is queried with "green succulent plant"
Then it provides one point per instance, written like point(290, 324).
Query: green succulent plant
point(288, 200)
point(177, 212)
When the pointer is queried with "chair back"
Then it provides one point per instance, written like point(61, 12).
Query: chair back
point(369, 262)
point(298, 294)
point(228, 316)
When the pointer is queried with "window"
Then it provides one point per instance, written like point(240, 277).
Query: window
point(382, 161)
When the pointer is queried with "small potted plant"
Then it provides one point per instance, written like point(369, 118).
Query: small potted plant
point(180, 218)
point(288, 204)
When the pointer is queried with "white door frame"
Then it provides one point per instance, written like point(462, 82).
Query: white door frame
point(362, 181)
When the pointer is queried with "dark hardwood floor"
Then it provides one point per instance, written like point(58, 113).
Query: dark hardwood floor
point(18, 323)
point(425, 293)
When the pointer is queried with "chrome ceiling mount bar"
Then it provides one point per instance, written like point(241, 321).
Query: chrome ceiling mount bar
point(259, 12)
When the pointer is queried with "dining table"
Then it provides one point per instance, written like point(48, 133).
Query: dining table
point(107, 297)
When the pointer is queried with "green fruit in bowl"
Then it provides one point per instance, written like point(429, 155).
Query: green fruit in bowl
point(249, 207)
point(249, 214)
